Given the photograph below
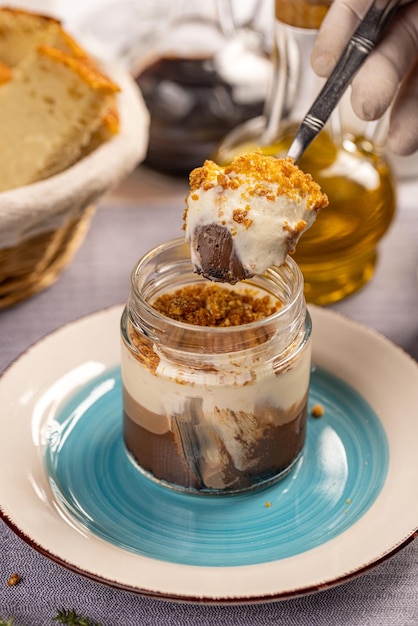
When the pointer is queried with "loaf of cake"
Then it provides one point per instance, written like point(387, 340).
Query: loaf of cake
point(56, 105)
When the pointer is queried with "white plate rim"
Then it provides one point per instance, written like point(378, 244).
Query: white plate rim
point(341, 345)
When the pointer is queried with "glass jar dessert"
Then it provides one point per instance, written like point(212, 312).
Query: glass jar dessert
point(215, 377)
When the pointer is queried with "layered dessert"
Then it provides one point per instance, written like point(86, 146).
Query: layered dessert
point(228, 418)
point(216, 376)
point(248, 216)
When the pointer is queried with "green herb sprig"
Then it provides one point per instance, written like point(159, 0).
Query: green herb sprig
point(10, 622)
point(72, 619)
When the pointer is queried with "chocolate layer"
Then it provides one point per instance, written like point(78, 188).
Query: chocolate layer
point(193, 456)
point(219, 260)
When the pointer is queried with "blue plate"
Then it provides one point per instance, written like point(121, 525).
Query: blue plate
point(339, 476)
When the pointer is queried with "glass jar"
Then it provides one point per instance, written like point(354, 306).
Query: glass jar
point(204, 73)
point(214, 410)
point(338, 254)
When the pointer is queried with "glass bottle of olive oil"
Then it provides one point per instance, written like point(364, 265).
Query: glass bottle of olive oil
point(338, 254)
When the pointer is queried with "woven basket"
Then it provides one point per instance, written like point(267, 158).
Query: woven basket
point(36, 263)
point(42, 225)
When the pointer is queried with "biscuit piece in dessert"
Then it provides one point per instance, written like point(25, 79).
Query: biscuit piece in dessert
point(247, 216)
point(49, 111)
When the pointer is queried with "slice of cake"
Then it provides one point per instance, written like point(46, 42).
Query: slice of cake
point(21, 32)
point(49, 111)
point(26, 38)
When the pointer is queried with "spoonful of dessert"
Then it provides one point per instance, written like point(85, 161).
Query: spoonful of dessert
point(242, 218)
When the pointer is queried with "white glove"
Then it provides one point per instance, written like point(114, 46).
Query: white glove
point(389, 74)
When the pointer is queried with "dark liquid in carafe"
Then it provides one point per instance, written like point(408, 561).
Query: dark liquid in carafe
point(192, 108)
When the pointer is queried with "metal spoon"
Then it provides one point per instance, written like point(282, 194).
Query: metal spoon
point(214, 242)
point(363, 41)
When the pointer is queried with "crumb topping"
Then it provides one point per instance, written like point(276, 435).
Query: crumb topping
point(14, 580)
point(212, 305)
point(262, 175)
point(144, 352)
point(317, 410)
point(298, 228)
point(240, 216)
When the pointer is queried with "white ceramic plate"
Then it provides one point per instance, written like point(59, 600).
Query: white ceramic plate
point(35, 388)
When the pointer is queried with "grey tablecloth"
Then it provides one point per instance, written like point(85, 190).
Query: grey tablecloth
point(145, 211)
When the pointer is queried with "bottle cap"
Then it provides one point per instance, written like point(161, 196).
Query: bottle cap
point(302, 13)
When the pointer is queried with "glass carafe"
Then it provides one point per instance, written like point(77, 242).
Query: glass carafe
point(206, 72)
point(338, 254)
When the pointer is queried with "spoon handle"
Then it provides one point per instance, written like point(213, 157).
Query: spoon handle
point(358, 48)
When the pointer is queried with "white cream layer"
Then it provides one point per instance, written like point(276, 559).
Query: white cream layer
point(161, 392)
point(273, 232)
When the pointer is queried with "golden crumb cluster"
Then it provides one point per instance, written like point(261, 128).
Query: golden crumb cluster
point(262, 175)
point(317, 410)
point(14, 580)
point(144, 348)
point(212, 305)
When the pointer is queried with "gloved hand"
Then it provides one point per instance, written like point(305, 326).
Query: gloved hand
point(389, 74)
